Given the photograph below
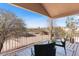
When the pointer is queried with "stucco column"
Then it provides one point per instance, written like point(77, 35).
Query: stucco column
point(50, 28)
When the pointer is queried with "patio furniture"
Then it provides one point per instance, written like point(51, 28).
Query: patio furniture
point(45, 50)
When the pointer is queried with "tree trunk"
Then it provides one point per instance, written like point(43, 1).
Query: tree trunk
point(1, 43)
point(1, 46)
point(72, 40)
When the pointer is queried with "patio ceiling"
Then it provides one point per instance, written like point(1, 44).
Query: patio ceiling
point(53, 10)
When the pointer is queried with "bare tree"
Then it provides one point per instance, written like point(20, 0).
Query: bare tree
point(10, 26)
point(72, 23)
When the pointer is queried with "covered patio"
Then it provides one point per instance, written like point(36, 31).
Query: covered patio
point(52, 11)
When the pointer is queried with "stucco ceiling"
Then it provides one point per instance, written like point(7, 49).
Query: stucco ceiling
point(53, 10)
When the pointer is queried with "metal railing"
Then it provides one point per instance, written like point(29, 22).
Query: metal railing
point(12, 46)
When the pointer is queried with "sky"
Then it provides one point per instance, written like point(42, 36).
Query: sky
point(60, 22)
point(32, 20)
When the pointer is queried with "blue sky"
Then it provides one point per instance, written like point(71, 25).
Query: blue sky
point(61, 21)
point(33, 20)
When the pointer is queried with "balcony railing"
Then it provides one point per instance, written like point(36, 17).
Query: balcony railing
point(25, 46)
point(14, 45)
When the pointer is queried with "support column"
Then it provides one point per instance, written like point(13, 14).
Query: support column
point(50, 28)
